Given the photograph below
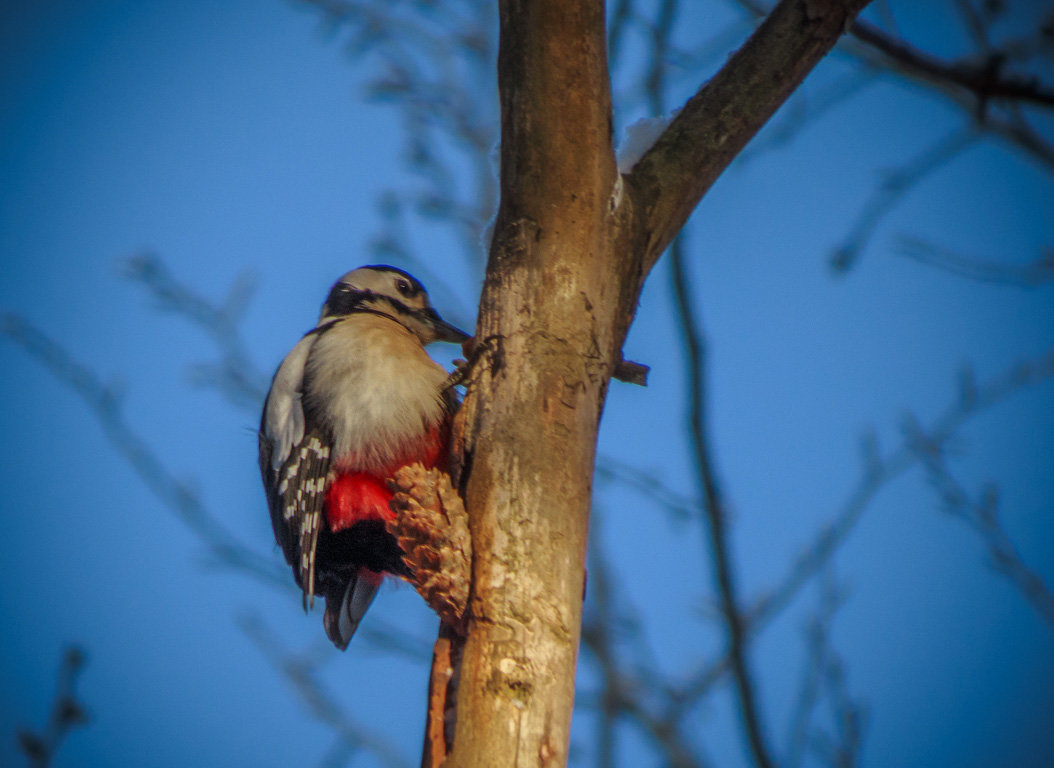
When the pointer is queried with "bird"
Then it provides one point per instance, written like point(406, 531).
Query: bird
point(356, 399)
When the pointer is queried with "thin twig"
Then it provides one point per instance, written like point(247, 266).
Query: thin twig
point(976, 25)
point(623, 688)
point(67, 713)
point(715, 514)
point(895, 185)
point(599, 629)
point(441, 76)
point(844, 747)
point(301, 673)
point(820, 657)
point(972, 401)
point(235, 375)
point(980, 89)
point(104, 403)
point(179, 497)
point(1028, 275)
point(878, 472)
point(982, 515)
point(613, 470)
point(983, 81)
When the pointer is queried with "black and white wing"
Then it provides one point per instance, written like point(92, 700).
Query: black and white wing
point(294, 463)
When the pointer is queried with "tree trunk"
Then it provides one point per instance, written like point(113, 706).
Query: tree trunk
point(572, 245)
point(547, 330)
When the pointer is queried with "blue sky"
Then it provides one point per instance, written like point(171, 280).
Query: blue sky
point(233, 137)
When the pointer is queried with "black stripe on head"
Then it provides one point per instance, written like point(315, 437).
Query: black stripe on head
point(412, 287)
point(343, 300)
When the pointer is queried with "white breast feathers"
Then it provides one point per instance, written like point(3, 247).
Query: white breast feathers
point(375, 388)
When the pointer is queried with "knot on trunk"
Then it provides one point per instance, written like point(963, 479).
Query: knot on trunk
point(431, 527)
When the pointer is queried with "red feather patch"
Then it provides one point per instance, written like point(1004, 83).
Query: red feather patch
point(354, 496)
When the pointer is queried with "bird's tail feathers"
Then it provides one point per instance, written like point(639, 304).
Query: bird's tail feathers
point(345, 609)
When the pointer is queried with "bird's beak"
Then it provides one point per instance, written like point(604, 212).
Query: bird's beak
point(445, 331)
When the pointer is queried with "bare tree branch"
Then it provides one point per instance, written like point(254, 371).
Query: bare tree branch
point(973, 85)
point(1016, 130)
point(973, 400)
point(713, 509)
point(628, 685)
point(878, 472)
point(824, 678)
point(843, 749)
point(67, 713)
point(437, 67)
point(301, 673)
point(976, 24)
point(715, 514)
point(1028, 275)
point(982, 515)
point(984, 81)
point(104, 402)
point(612, 470)
point(235, 376)
point(227, 551)
point(808, 690)
point(895, 185)
point(597, 631)
point(716, 123)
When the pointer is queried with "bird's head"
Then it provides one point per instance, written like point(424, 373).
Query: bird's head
point(393, 293)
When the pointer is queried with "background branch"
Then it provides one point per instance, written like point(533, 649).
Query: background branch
point(718, 121)
point(1029, 275)
point(104, 402)
point(895, 185)
point(878, 472)
point(67, 714)
point(302, 673)
point(714, 512)
point(982, 515)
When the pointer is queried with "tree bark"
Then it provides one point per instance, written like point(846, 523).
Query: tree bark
point(547, 347)
point(573, 242)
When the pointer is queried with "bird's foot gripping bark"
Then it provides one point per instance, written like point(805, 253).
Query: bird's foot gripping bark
point(431, 526)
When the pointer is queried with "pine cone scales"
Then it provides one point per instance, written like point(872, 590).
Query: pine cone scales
point(431, 527)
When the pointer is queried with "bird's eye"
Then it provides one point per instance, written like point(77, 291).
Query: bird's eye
point(403, 286)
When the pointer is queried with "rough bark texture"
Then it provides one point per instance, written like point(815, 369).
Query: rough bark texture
point(573, 243)
point(442, 695)
point(547, 329)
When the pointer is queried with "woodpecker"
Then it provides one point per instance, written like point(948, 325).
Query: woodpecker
point(356, 399)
